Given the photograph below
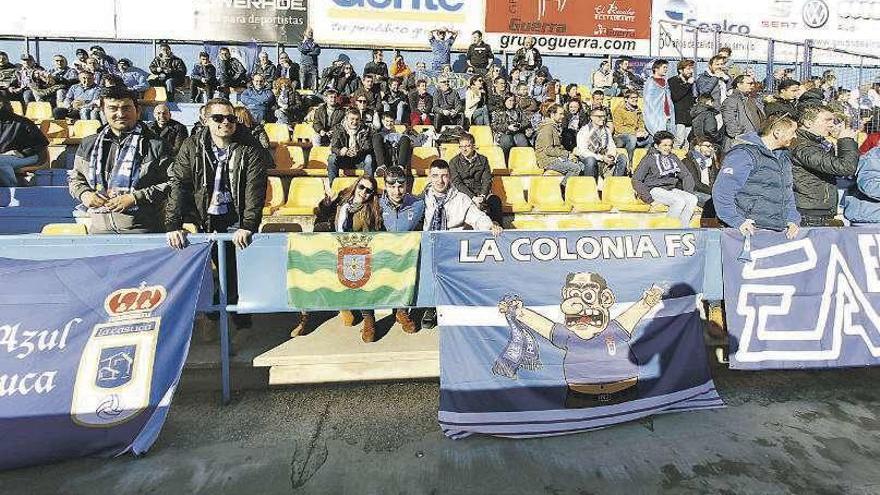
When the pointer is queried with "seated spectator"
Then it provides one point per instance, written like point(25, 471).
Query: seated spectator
point(550, 153)
point(288, 69)
point(596, 150)
point(105, 63)
point(7, 74)
point(705, 118)
point(21, 144)
point(476, 107)
point(524, 102)
point(121, 173)
point(624, 77)
point(81, 100)
point(259, 99)
point(602, 79)
point(785, 101)
point(421, 103)
point(527, 59)
point(93, 66)
point(571, 93)
point(497, 95)
point(538, 87)
point(448, 108)
point(629, 125)
point(350, 146)
point(80, 60)
point(169, 130)
point(203, 78)
point(370, 91)
point(265, 68)
point(861, 205)
point(597, 102)
point(510, 126)
point(395, 100)
point(661, 178)
point(470, 174)
point(167, 70)
point(133, 79)
point(25, 77)
point(288, 100)
point(253, 130)
point(754, 189)
point(575, 118)
point(391, 148)
point(230, 73)
point(326, 117)
point(701, 163)
point(56, 81)
point(369, 117)
point(377, 68)
point(346, 81)
point(331, 73)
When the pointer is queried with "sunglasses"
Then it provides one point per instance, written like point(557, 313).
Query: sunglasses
point(229, 118)
point(368, 190)
point(397, 181)
point(361, 101)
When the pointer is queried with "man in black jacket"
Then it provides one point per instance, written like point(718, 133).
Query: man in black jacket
point(479, 54)
point(448, 106)
point(326, 117)
point(816, 164)
point(168, 70)
point(681, 87)
point(168, 129)
point(378, 68)
point(785, 102)
point(230, 73)
point(470, 174)
point(351, 146)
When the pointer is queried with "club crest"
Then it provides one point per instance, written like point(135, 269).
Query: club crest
point(354, 260)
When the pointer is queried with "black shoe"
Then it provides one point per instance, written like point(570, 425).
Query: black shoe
point(429, 319)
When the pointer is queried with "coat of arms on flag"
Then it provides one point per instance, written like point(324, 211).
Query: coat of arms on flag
point(354, 260)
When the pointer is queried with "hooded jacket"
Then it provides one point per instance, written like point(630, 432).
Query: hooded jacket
point(649, 175)
point(683, 97)
point(705, 123)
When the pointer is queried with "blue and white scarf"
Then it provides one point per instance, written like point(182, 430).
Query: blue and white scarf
point(124, 173)
point(521, 350)
point(221, 197)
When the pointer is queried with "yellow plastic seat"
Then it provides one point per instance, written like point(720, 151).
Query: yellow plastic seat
point(399, 128)
point(680, 153)
point(422, 156)
point(584, 91)
point(17, 108)
point(274, 196)
point(38, 111)
point(306, 91)
point(582, 195)
point(54, 130)
point(278, 133)
point(861, 137)
point(482, 135)
point(304, 196)
point(448, 151)
point(510, 191)
point(317, 164)
point(620, 223)
point(663, 222)
point(495, 155)
point(529, 224)
point(618, 192)
point(302, 132)
point(575, 224)
point(545, 195)
point(81, 129)
point(522, 161)
point(289, 158)
point(419, 185)
point(638, 155)
point(341, 183)
point(64, 229)
point(155, 94)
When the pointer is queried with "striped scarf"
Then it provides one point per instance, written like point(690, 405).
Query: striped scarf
point(124, 173)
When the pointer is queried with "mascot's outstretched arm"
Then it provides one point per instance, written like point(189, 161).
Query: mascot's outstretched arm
point(631, 317)
point(537, 322)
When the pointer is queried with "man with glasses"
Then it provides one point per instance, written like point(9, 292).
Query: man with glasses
point(120, 174)
point(369, 117)
point(351, 146)
point(742, 112)
point(259, 99)
point(470, 174)
point(448, 106)
point(401, 212)
point(168, 70)
point(596, 150)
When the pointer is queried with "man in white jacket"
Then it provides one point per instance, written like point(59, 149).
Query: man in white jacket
point(596, 150)
point(446, 208)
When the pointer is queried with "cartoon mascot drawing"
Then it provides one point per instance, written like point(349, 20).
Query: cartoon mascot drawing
point(598, 365)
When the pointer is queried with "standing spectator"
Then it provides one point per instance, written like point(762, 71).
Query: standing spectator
point(259, 100)
point(510, 127)
point(479, 54)
point(81, 100)
point(441, 42)
point(829, 85)
point(602, 79)
point(350, 146)
point(395, 100)
point(347, 81)
point(168, 70)
point(121, 173)
point(470, 174)
point(377, 68)
point(550, 153)
point(705, 120)
point(308, 62)
point(172, 132)
point(681, 87)
point(659, 108)
point(816, 164)
point(843, 104)
point(629, 124)
point(204, 78)
point(370, 91)
point(476, 106)
point(861, 205)
point(25, 77)
point(448, 106)
point(811, 95)
point(265, 68)
point(327, 117)
point(391, 148)
point(420, 104)
point(713, 82)
point(785, 101)
point(596, 150)
point(741, 112)
point(661, 178)
point(288, 101)
point(527, 59)
point(133, 79)
point(80, 60)
point(754, 188)
point(701, 163)
point(625, 78)
point(575, 118)
point(21, 144)
point(230, 73)
point(288, 69)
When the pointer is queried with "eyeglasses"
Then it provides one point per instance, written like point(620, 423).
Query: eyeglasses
point(229, 118)
point(368, 190)
point(396, 181)
point(599, 115)
point(361, 101)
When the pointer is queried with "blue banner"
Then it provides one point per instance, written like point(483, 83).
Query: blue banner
point(810, 302)
point(91, 350)
point(548, 333)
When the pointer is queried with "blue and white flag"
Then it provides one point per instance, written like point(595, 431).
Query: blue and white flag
point(91, 350)
point(811, 302)
point(560, 332)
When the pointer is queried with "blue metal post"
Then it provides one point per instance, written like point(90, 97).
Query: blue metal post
point(224, 321)
point(771, 48)
point(807, 68)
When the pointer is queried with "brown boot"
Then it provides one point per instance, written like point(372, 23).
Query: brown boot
point(347, 318)
point(405, 321)
point(368, 334)
point(303, 322)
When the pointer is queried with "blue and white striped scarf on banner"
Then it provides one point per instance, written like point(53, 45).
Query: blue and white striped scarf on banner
point(124, 173)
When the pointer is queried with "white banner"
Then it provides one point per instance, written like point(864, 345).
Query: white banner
point(58, 18)
point(393, 23)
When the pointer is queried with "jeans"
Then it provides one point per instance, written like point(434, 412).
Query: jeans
point(196, 85)
point(27, 95)
point(399, 112)
point(593, 168)
point(480, 116)
point(630, 142)
point(362, 160)
point(309, 74)
point(681, 135)
point(388, 155)
point(9, 164)
point(508, 141)
point(681, 203)
point(565, 167)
